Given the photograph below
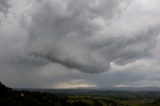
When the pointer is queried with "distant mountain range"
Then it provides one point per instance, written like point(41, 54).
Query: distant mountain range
point(88, 90)
point(151, 88)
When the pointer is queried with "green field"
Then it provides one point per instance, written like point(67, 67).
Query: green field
point(116, 100)
point(88, 97)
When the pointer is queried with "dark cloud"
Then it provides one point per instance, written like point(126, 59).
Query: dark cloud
point(129, 49)
point(4, 6)
point(49, 43)
point(63, 36)
point(60, 29)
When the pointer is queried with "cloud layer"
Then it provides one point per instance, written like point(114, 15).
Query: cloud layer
point(4, 6)
point(64, 40)
point(61, 32)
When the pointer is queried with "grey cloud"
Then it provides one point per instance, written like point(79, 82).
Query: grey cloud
point(98, 8)
point(4, 6)
point(62, 39)
point(131, 48)
point(60, 28)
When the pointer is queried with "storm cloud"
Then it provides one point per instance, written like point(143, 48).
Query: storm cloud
point(61, 31)
point(51, 43)
point(4, 6)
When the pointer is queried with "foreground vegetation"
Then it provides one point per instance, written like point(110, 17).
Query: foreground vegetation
point(10, 97)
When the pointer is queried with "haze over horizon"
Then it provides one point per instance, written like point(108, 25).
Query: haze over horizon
point(79, 43)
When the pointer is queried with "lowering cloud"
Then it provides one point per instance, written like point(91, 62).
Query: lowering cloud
point(61, 32)
point(58, 42)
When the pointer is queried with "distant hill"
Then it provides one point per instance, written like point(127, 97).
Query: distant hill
point(150, 88)
point(94, 90)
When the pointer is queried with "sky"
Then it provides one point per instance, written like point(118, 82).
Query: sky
point(79, 43)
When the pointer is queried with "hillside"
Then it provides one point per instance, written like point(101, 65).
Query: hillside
point(9, 97)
